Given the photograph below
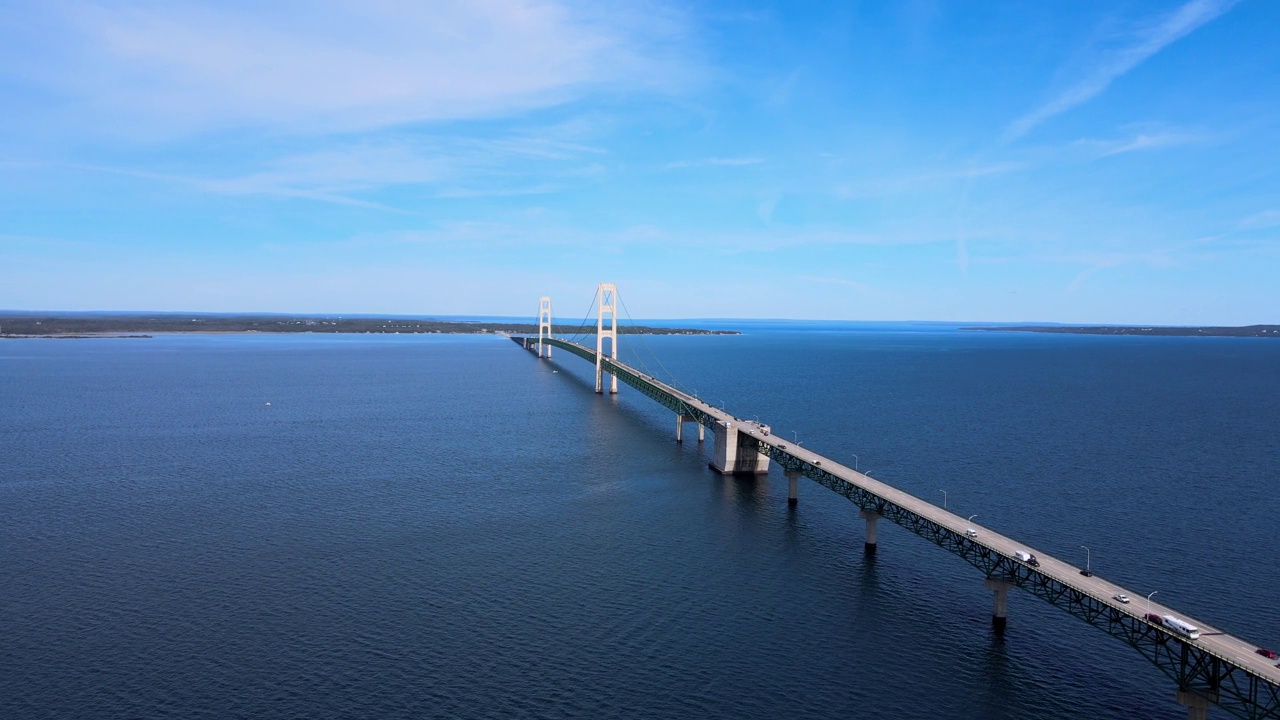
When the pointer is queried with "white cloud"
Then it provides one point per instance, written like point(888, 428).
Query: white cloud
point(1143, 45)
point(331, 65)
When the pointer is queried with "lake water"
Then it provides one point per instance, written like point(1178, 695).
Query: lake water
point(442, 526)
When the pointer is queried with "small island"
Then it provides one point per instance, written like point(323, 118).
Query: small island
point(1272, 331)
point(141, 325)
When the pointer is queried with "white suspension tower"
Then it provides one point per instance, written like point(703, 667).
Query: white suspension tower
point(544, 323)
point(607, 295)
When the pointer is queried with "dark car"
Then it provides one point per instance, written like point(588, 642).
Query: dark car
point(1154, 618)
point(1269, 654)
point(1086, 573)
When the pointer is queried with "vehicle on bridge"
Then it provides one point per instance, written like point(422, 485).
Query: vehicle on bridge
point(1180, 627)
point(1027, 558)
point(1121, 598)
point(1269, 654)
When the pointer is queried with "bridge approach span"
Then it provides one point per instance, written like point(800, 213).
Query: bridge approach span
point(1213, 668)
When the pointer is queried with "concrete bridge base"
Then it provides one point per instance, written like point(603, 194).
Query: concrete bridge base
point(793, 479)
point(738, 453)
point(869, 547)
point(999, 615)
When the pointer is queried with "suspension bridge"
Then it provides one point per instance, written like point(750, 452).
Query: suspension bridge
point(1209, 666)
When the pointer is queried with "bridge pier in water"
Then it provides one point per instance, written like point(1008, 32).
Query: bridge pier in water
point(793, 478)
point(681, 420)
point(869, 546)
point(999, 614)
point(738, 453)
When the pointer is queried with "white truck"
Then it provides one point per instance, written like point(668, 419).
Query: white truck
point(1027, 558)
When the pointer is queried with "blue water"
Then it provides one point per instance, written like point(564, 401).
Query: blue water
point(440, 526)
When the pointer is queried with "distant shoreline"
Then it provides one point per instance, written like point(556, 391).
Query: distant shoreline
point(1269, 331)
point(141, 325)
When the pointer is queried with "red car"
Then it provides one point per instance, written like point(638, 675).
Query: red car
point(1269, 654)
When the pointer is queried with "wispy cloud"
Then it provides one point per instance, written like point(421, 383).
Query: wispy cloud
point(348, 173)
point(1141, 46)
point(1264, 219)
point(1159, 258)
point(924, 180)
point(347, 65)
point(1146, 142)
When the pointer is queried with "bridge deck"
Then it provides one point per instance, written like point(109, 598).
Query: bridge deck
point(1213, 667)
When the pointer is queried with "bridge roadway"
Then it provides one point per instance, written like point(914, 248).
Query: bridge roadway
point(1216, 667)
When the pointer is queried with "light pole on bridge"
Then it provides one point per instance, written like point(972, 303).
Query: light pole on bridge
point(855, 461)
point(1088, 562)
point(1153, 592)
point(944, 499)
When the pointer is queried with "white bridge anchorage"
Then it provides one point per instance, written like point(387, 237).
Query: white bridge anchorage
point(1207, 665)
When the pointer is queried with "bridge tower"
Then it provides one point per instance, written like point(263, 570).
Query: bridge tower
point(544, 323)
point(607, 296)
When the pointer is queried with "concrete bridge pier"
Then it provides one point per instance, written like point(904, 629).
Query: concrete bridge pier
point(738, 453)
point(681, 420)
point(793, 476)
point(869, 547)
point(999, 614)
point(1196, 704)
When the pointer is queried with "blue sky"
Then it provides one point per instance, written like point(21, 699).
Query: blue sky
point(1108, 162)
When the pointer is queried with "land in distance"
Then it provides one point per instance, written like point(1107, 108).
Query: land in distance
point(134, 324)
point(1217, 331)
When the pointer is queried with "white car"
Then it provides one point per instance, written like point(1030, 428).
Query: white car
point(1121, 597)
point(971, 532)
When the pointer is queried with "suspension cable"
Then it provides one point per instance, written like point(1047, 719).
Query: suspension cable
point(582, 325)
point(645, 345)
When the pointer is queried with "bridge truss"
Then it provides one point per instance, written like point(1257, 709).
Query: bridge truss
point(1195, 669)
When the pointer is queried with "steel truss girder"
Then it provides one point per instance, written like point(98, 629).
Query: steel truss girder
point(640, 383)
point(1228, 685)
point(1231, 687)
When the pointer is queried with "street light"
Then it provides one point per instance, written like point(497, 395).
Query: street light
point(1088, 564)
point(944, 499)
point(795, 436)
point(1153, 592)
point(971, 517)
point(855, 461)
